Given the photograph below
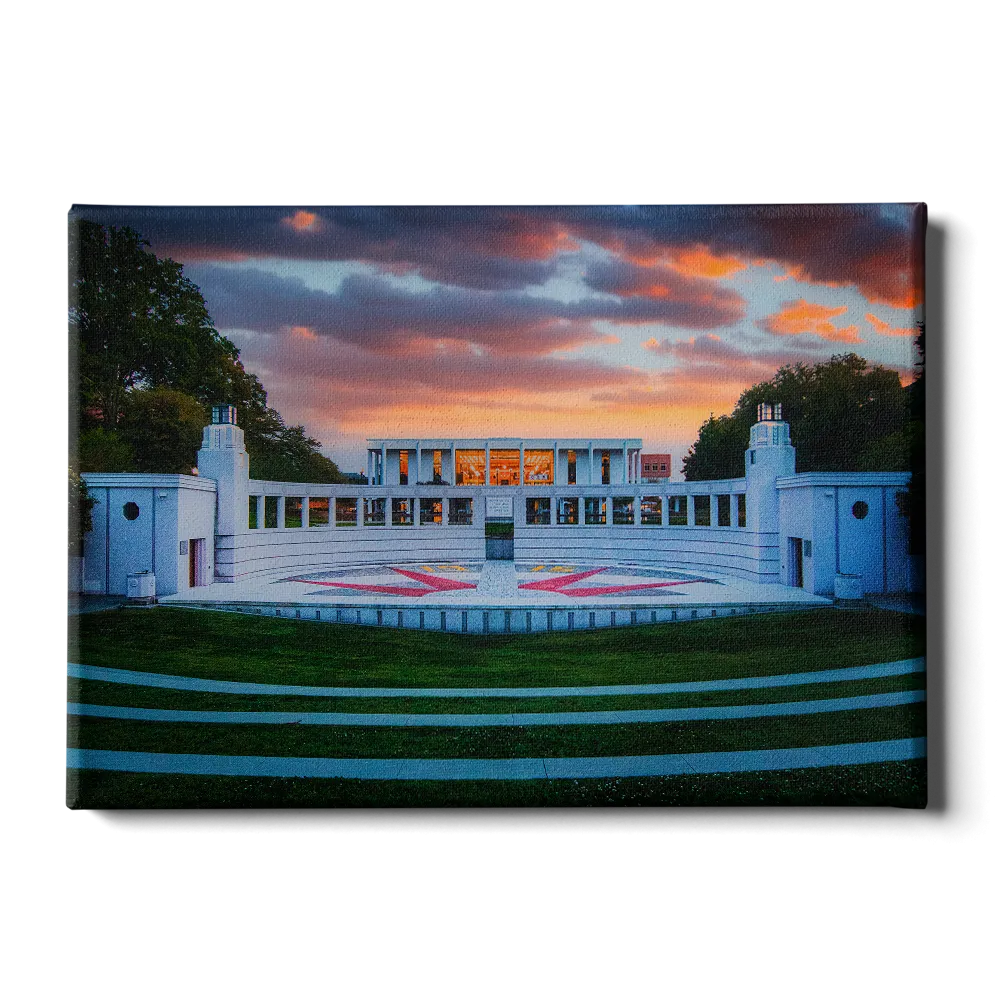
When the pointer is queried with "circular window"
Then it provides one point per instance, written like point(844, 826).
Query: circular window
point(860, 510)
point(131, 511)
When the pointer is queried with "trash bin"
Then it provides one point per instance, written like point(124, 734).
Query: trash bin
point(848, 587)
point(141, 587)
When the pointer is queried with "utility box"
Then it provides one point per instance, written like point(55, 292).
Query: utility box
point(141, 587)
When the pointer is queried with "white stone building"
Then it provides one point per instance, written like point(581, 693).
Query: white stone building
point(445, 499)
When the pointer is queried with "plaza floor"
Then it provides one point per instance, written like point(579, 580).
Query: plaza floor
point(600, 589)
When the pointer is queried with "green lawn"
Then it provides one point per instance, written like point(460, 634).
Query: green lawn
point(198, 643)
point(224, 646)
point(89, 692)
point(894, 783)
point(293, 740)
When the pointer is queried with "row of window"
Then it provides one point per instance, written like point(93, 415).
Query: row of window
point(538, 510)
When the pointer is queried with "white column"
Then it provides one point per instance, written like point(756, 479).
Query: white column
point(305, 512)
point(624, 463)
point(713, 517)
point(690, 509)
point(444, 512)
point(260, 511)
point(453, 466)
point(359, 516)
point(590, 463)
point(281, 511)
point(555, 463)
point(381, 471)
point(520, 475)
point(413, 482)
point(487, 463)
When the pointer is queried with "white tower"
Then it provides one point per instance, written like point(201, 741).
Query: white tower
point(769, 456)
point(223, 457)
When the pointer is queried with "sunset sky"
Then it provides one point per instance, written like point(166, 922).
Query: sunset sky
point(539, 322)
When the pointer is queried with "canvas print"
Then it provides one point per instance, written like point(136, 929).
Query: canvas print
point(496, 506)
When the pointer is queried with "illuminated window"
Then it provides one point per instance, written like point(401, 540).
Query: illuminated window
point(571, 467)
point(505, 467)
point(404, 468)
point(651, 511)
point(605, 467)
point(539, 467)
point(470, 467)
point(437, 466)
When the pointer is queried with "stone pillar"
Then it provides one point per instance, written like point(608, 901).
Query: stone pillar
point(453, 463)
point(734, 510)
point(305, 512)
point(713, 517)
point(281, 510)
point(487, 463)
point(520, 475)
point(444, 512)
point(690, 510)
point(359, 516)
point(382, 465)
point(609, 511)
point(590, 463)
point(260, 511)
point(624, 464)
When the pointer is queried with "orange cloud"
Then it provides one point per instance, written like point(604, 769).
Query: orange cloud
point(810, 317)
point(888, 330)
point(303, 332)
point(702, 263)
point(303, 222)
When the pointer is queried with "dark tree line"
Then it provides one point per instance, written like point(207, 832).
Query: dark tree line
point(846, 416)
point(150, 363)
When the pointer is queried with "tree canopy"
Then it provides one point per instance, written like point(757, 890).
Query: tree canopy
point(150, 360)
point(846, 416)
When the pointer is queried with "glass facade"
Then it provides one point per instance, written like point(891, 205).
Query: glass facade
point(470, 467)
point(539, 467)
point(505, 467)
point(404, 468)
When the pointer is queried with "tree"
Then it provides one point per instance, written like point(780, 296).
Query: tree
point(163, 428)
point(138, 325)
point(846, 415)
point(102, 450)
point(81, 505)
